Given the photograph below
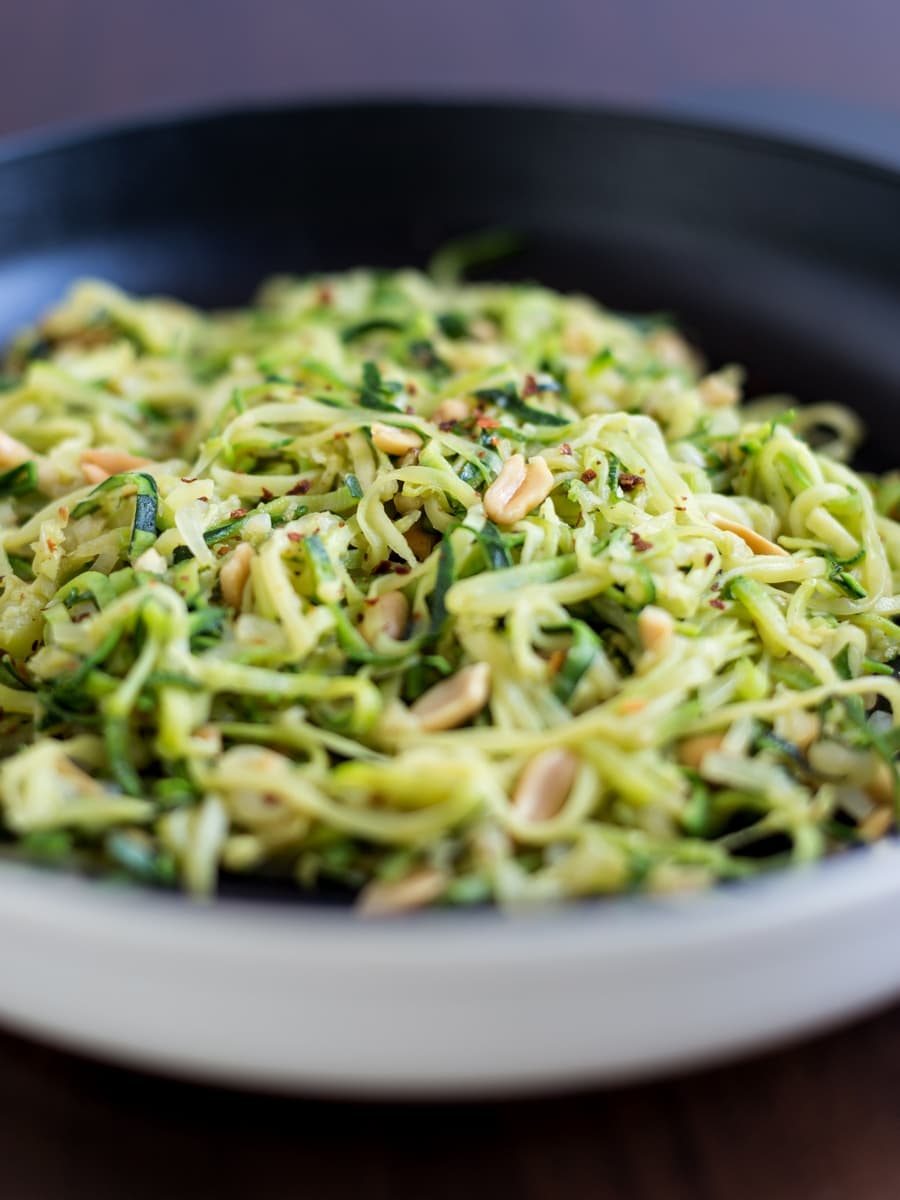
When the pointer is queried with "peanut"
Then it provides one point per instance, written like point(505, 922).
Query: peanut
point(454, 408)
point(381, 898)
point(798, 726)
point(881, 785)
point(656, 628)
point(103, 461)
point(453, 701)
point(518, 489)
point(544, 784)
point(693, 750)
point(387, 614)
point(757, 543)
point(672, 350)
point(718, 391)
point(420, 541)
point(235, 573)
point(12, 451)
point(394, 440)
point(877, 824)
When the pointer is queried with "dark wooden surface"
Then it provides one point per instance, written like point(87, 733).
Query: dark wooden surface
point(817, 1122)
point(820, 1122)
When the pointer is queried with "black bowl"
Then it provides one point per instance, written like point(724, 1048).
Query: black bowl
point(780, 257)
point(777, 256)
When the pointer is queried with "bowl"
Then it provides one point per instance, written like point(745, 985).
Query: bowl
point(781, 257)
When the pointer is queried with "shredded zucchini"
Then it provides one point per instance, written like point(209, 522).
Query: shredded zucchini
point(443, 593)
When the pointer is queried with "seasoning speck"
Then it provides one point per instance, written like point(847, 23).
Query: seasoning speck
point(628, 482)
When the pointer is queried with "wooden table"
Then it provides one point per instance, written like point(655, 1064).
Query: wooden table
point(818, 1122)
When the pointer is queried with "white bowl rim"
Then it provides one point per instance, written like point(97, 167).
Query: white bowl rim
point(622, 927)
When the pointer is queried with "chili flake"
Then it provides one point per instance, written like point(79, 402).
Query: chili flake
point(628, 482)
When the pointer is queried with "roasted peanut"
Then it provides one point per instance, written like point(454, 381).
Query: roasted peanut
point(454, 408)
point(692, 750)
point(12, 451)
point(757, 543)
point(103, 461)
point(671, 349)
point(544, 784)
point(798, 726)
point(381, 898)
point(718, 391)
point(235, 573)
point(393, 439)
point(877, 823)
point(655, 627)
point(420, 541)
point(453, 701)
point(387, 614)
point(519, 489)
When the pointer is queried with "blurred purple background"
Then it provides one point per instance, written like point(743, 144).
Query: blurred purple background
point(822, 68)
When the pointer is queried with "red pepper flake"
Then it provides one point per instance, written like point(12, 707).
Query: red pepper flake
point(413, 391)
point(266, 494)
point(205, 499)
point(588, 476)
point(300, 488)
point(679, 508)
point(193, 478)
point(51, 545)
point(487, 423)
point(402, 569)
point(325, 295)
point(717, 603)
point(383, 568)
point(555, 662)
point(629, 482)
point(409, 410)
point(293, 536)
point(530, 387)
point(638, 542)
point(565, 448)
point(238, 512)
point(495, 441)
point(221, 551)
point(708, 559)
point(447, 426)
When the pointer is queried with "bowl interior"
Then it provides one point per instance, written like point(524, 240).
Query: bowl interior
point(783, 259)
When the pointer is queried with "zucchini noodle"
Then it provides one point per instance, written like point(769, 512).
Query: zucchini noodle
point(433, 592)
